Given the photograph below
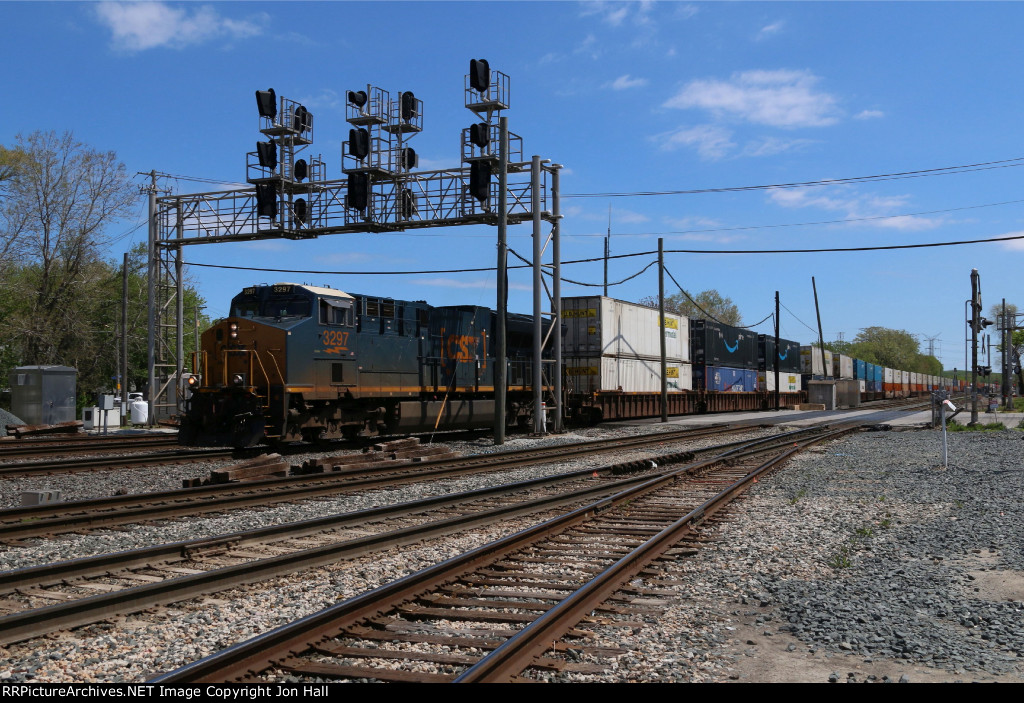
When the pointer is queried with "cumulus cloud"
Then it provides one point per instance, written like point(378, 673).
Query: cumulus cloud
point(625, 82)
point(138, 26)
point(781, 98)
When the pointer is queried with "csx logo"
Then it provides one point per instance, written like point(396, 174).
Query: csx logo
point(460, 347)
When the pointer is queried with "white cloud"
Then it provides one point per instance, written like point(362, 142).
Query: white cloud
point(711, 141)
point(691, 222)
point(625, 82)
point(773, 28)
point(1013, 244)
point(868, 114)
point(769, 146)
point(627, 216)
point(146, 25)
point(850, 205)
point(780, 98)
point(616, 13)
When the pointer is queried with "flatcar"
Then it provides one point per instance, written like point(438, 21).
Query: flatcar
point(299, 362)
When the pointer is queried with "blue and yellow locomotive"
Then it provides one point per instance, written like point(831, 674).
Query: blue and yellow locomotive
point(299, 362)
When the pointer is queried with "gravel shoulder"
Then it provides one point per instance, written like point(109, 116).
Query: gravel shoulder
point(864, 560)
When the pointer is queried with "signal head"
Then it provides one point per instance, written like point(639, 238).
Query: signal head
point(479, 75)
point(266, 103)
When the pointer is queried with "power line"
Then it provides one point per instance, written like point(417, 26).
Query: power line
point(623, 256)
point(944, 171)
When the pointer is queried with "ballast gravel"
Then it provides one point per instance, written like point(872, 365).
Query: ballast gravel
point(862, 561)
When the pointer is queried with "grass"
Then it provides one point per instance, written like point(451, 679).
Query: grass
point(841, 559)
point(955, 426)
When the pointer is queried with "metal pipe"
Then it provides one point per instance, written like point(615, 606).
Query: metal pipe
point(123, 371)
point(538, 285)
point(500, 358)
point(151, 302)
point(775, 360)
point(556, 291)
point(661, 318)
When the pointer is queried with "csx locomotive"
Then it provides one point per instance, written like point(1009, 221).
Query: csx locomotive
point(299, 362)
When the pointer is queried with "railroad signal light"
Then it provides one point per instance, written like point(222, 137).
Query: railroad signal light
point(409, 159)
point(408, 207)
point(357, 98)
point(359, 143)
point(301, 170)
point(408, 101)
point(302, 120)
point(358, 196)
point(479, 134)
point(267, 153)
point(266, 200)
point(479, 75)
point(266, 103)
point(480, 180)
point(300, 210)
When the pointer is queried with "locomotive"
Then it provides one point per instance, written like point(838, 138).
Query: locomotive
point(299, 362)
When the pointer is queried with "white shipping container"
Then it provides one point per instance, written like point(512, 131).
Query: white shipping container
point(788, 382)
point(811, 363)
point(594, 374)
point(842, 366)
point(609, 327)
point(887, 376)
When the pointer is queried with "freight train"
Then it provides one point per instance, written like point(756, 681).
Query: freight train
point(299, 362)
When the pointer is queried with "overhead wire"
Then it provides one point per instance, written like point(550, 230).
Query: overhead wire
point(900, 175)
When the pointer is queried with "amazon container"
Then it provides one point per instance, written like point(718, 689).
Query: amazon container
point(715, 344)
point(842, 366)
point(607, 374)
point(788, 382)
point(600, 326)
point(789, 354)
point(725, 380)
point(811, 363)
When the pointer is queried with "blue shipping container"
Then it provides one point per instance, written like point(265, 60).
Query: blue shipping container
point(725, 379)
point(860, 369)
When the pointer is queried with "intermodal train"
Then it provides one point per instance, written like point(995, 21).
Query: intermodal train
point(300, 362)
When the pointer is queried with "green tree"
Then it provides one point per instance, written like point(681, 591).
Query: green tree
point(705, 305)
point(895, 349)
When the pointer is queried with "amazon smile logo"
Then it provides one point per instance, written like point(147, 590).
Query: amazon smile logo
point(734, 347)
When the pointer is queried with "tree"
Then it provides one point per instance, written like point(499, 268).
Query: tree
point(995, 313)
point(708, 304)
point(59, 201)
point(895, 349)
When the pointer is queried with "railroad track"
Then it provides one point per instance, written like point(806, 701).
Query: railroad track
point(74, 445)
point(18, 524)
point(38, 600)
point(511, 606)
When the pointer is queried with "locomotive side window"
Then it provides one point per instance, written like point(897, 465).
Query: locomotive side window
point(335, 313)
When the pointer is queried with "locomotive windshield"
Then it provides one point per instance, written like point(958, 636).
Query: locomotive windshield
point(275, 305)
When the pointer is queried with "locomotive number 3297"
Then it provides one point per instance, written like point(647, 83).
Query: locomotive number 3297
point(334, 340)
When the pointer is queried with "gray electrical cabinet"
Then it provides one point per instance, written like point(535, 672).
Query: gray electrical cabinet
point(43, 395)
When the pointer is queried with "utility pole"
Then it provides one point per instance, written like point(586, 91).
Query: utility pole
point(661, 317)
point(151, 345)
point(607, 249)
point(975, 313)
point(124, 338)
point(775, 356)
point(500, 357)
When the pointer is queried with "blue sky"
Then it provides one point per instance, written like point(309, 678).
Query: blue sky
point(630, 97)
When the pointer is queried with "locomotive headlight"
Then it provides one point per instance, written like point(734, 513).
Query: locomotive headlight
point(237, 379)
point(234, 330)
